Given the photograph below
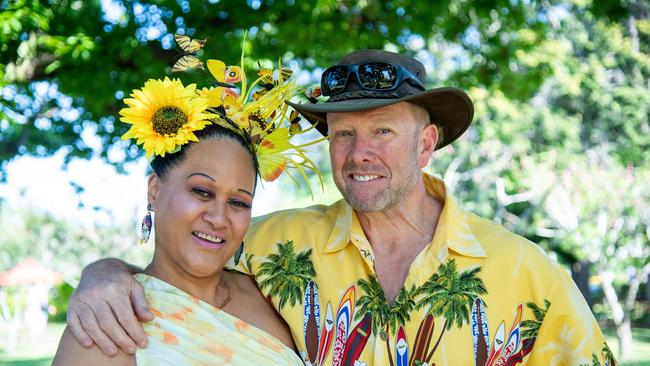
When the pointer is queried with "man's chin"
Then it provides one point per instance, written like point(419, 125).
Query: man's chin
point(366, 204)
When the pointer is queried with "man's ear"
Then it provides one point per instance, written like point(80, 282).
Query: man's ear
point(427, 144)
point(153, 189)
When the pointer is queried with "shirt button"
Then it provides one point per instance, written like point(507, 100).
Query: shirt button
point(383, 335)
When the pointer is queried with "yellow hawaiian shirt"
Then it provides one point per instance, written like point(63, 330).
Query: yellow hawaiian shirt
point(476, 295)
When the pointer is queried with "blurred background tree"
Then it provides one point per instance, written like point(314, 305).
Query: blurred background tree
point(559, 150)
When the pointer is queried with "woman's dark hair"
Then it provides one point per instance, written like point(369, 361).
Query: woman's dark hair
point(162, 165)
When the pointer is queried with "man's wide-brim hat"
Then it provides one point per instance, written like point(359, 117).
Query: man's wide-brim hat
point(449, 108)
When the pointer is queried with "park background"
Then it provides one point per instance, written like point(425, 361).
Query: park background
point(559, 150)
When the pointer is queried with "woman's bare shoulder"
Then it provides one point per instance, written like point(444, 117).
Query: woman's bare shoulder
point(249, 304)
point(72, 353)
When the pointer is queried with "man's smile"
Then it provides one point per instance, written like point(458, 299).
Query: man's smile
point(365, 177)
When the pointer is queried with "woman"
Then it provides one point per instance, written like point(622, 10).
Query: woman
point(201, 196)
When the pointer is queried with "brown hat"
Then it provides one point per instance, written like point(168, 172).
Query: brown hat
point(449, 108)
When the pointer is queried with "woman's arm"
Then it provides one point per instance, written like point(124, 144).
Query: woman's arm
point(71, 353)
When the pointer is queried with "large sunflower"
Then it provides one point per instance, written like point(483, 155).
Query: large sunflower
point(164, 115)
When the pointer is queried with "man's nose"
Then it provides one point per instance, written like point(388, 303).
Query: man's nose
point(362, 149)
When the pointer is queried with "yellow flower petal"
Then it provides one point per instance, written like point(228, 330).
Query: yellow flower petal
point(156, 94)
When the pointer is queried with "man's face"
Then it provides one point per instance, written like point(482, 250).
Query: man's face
point(376, 155)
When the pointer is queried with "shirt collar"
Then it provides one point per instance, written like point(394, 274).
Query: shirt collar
point(453, 232)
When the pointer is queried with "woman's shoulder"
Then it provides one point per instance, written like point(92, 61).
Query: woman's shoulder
point(71, 352)
point(250, 305)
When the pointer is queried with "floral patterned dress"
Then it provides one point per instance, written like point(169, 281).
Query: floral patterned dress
point(188, 331)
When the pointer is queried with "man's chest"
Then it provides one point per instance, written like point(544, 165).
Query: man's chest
point(338, 313)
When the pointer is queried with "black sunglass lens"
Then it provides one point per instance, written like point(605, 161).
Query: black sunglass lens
point(377, 75)
point(334, 80)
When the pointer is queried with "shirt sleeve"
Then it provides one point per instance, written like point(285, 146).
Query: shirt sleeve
point(240, 261)
point(569, 334)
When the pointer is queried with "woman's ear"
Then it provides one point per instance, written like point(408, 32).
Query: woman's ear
point(153, 189)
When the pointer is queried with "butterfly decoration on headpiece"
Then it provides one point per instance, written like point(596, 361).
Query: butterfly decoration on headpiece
point(188, 59)
point(165, 113)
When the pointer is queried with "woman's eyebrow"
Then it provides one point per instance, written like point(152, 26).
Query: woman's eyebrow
point(214, 180)
point(201, 174)
point(245, 191)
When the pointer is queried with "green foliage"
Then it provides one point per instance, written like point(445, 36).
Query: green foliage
point(63, 245)
point(559, 150)
point(59, 296)
point(96, 57)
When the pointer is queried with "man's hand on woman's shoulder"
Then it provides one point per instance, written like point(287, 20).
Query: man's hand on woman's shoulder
point(104, 309)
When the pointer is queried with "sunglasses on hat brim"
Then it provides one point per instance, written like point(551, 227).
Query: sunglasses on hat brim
point(378, 76)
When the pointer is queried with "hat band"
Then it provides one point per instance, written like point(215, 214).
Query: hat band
point(362, 94)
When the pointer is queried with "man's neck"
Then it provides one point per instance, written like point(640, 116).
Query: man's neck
point(398, 235)
point(412, 220)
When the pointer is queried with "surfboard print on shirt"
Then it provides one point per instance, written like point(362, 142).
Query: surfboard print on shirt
point(311, 320)
point(511, 345)
point(343, 318)
point(401, 348)
point(357, 340)
point(422, 340)
point(326, 335)
point(497, 344)
point(480, 332)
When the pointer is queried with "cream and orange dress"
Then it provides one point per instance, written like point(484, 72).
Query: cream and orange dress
point(188, 331)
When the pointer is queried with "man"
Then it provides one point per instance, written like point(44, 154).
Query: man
point(396, 273)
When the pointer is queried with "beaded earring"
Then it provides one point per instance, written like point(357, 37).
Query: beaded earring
point(145, 229)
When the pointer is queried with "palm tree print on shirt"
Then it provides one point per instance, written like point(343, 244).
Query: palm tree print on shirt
point(450, 294)
point(607, 356)
point(286, 274)
point(530, 328)
point(385, 317)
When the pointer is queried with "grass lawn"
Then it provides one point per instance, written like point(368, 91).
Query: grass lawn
point(41, 352)
point(37, 353)
point(640, 346)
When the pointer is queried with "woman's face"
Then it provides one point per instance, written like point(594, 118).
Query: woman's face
point(202, 207)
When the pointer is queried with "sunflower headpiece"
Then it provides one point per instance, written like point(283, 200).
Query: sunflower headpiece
point(164, 114)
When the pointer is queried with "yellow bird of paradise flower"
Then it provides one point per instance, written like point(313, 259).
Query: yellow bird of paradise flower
point(262, 116)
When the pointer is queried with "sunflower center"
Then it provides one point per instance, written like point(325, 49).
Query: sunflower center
point(168, 120)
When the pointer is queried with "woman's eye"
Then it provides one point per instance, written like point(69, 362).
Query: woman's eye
point(202, 193)
point(240, 204)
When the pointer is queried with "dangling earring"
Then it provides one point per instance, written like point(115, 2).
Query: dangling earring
point(145, 229)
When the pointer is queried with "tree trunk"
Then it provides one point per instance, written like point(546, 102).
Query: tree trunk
point(624, 333)
point(580, 272)
point(444, 326)
point(618, 314)
point(390, 354)
point(647, 301)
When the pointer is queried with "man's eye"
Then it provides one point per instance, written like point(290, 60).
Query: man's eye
point(383, 130)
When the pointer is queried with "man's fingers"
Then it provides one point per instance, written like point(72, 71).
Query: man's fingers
point(124, 313)
point(111, 327)
point(77, 330)
point(91, 327)
point(140, 304)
